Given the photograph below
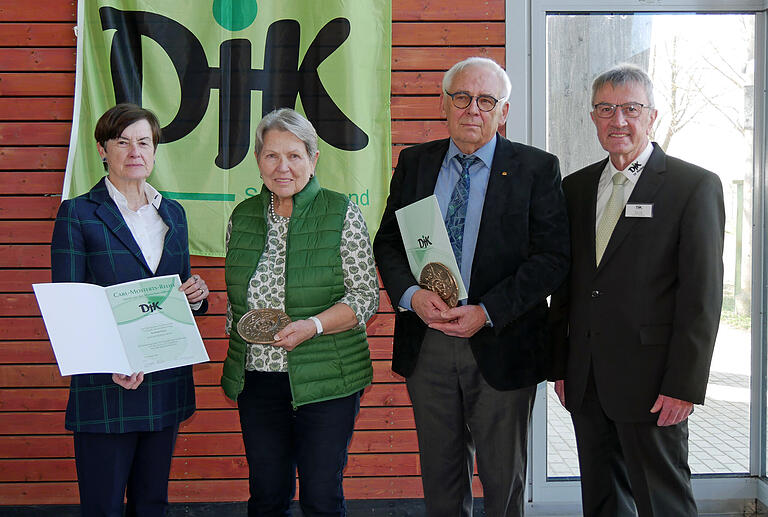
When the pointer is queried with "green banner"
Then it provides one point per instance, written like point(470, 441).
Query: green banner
point(211, 69)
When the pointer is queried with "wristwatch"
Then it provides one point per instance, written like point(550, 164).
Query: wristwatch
point(318, 325)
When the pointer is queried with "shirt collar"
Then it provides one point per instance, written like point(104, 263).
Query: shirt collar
point(120, 200)
point(633, 170)
point(485, 153)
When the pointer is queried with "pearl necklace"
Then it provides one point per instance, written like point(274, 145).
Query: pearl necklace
point(275, 218)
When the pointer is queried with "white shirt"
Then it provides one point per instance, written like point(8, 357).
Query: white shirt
point(605, 185)
point(146, 225)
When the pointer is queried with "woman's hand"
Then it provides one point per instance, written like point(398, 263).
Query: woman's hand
point(129, 382)
point(295, 334)
point(195, 289)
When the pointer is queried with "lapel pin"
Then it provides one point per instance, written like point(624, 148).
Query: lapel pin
point(504, 173)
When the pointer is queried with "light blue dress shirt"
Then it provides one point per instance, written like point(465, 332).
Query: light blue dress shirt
point(449, 174)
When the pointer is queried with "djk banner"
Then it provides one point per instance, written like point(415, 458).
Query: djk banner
point(211, 69)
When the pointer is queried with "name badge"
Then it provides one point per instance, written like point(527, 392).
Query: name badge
point(639, 210)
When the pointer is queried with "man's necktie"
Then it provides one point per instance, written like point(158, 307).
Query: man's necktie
point(457, 208)
point(611, 215)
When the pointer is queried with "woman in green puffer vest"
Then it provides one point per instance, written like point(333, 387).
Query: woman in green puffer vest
point(305, 250)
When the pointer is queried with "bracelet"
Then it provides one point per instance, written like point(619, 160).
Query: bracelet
point(318, 325)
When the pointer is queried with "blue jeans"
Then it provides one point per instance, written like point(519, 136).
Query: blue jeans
point(279, 440)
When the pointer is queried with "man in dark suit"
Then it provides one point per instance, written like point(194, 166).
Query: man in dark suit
point(634, 326)
point(472, 371)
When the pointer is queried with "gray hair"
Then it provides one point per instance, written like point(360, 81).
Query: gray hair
point(623, 74)
point(286, 119)
point(490, 64)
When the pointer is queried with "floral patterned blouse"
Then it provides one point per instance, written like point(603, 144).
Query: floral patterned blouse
point(267, 286)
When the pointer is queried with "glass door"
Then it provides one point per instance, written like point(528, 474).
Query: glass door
point(704, 68)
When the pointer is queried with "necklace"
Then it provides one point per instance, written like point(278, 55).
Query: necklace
point(275, 218)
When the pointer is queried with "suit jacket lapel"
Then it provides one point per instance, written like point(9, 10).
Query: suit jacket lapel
point(587, 219)
point(647, 186)
point(108, 212)
point(171, 235)
point(429, 168)
point(504, 174)
point(503, 177)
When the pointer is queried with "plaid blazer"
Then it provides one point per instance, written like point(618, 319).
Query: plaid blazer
point(92, 243)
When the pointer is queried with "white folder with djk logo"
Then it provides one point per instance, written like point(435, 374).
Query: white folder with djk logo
point(140, 326)
point(426, 239)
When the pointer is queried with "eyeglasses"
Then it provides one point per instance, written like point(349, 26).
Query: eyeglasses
point(462, 100)
point(628, 109)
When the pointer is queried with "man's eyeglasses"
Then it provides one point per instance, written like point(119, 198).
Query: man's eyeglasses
point(462, 100)
point(628, 109)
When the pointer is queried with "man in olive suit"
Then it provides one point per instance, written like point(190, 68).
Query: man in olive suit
point(634, 326)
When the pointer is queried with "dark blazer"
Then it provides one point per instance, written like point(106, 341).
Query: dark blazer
point(92, 243)
point(647, 317)
point(520, 258)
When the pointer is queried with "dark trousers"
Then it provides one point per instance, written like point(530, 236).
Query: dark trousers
point(133, 465)
point(457, 414)
point(279, 440)
point(631, 468)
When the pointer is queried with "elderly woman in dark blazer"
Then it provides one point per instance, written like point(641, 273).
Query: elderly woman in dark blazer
point(303, 249)
point(125, 426)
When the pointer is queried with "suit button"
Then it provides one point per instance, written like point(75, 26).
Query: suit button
point(595, 293)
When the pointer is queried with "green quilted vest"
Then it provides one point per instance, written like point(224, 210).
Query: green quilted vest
point(324, 367)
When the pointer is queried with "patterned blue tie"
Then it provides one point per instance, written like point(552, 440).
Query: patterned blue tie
point(457, 208)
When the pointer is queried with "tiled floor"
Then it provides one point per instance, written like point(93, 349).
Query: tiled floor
point(719, 430)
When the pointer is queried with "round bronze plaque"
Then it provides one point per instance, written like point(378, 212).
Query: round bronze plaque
point(438, 278)
point(261, 325)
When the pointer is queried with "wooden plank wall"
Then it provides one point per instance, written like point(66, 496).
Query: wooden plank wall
point(37, 69)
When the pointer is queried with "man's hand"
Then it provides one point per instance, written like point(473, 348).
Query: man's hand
point(129, 382)
point(462, 321)
point(671, 410)
point(429, 306)
point(560, 390)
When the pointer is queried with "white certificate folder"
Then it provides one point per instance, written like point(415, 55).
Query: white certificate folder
point(140, 326)
point(426, 239)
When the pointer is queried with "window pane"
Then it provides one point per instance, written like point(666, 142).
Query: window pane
point(702, 67)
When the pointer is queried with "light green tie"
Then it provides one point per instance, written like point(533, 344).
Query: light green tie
point(611, 215)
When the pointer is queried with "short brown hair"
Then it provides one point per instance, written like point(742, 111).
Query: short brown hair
point(114, 121)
